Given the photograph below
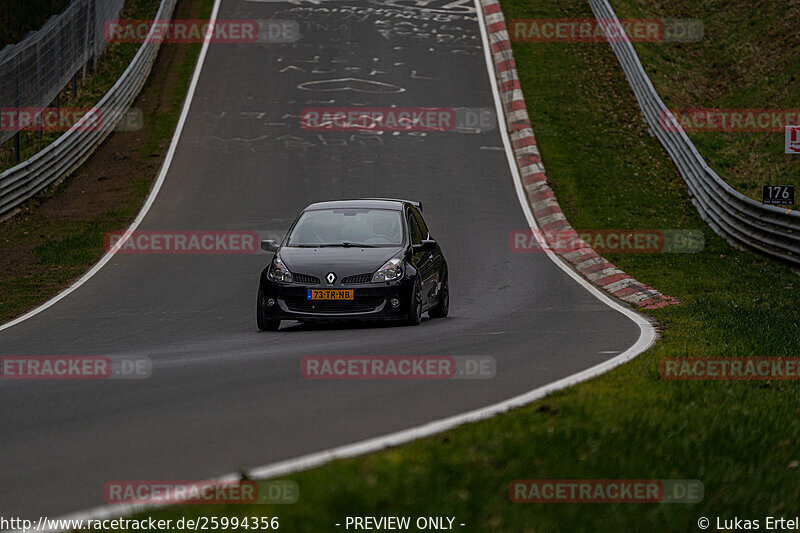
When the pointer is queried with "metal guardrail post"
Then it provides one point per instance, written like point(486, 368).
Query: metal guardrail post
point(39, 98)
point(86, 49)
point(17, 137)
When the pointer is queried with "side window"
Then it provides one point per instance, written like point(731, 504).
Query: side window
point(413, 227)
point(422, 227)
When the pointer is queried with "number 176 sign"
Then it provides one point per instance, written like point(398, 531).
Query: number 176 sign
point(778, 194)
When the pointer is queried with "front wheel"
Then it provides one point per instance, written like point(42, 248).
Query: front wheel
point(415, 306)
point(443, 307)
point(265, 324)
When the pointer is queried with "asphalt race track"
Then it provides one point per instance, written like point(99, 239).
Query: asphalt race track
point(224, 396)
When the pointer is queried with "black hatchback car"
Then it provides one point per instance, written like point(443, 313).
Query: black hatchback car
point(354, 259)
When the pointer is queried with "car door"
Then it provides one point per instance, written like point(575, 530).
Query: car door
point(424, 261)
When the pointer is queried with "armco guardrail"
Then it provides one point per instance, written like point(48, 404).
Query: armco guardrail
point(70, 150)
point(743, 221)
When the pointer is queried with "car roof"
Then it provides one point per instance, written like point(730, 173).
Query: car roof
point(363, 203)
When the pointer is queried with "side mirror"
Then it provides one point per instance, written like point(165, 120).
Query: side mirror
point(270, 246)
point(428, 245)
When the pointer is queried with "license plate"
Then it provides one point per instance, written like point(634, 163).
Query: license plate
point(330, 294)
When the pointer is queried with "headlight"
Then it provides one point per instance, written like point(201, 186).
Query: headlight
point(392, 270)
point(278, 271)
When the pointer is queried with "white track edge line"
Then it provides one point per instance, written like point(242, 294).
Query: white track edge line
point(150, 198)
point(646, 339)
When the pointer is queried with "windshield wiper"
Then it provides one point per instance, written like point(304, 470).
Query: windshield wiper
point(348, 245)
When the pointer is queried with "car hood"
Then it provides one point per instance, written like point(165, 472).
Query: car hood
point(341, 261)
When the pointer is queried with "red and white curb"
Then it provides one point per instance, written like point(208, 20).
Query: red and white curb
point(546, 211)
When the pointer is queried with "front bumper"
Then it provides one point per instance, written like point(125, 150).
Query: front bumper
point(371, 301)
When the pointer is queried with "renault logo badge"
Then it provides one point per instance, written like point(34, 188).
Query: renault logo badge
point(331, 277)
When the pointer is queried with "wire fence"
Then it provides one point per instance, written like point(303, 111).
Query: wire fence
point(35, 70)
point(71, 149)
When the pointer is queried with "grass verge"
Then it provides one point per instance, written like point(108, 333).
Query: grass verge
point(749, 58)
point(738, 438)
point(59, 234)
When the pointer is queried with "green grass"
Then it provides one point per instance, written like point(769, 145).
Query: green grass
point(749, 58)
point(738, 438)
point(110, 67)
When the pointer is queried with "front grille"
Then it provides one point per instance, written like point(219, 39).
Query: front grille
point(359, 305)
point(308, 280)
point(357, 280)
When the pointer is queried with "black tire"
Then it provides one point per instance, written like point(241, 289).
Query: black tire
point(443, 307)
point(265, 324)
point(414, 316)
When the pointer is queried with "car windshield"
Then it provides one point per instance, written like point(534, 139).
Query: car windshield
point(348, 227)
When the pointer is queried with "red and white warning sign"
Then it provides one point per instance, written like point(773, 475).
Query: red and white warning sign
point(793, 139)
